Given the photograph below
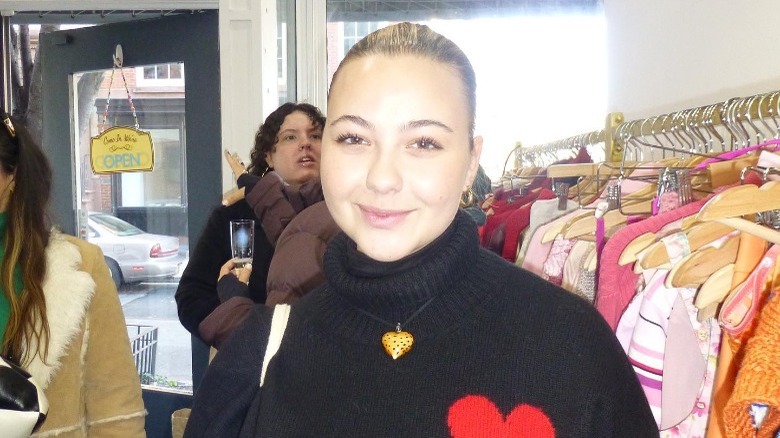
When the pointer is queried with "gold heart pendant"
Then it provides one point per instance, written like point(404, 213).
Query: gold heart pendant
point(397, 343)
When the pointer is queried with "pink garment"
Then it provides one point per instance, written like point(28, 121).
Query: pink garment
point(770, 159)
point(617, 284)
point(666, 202)
point(677, 246)
point(658, 337)
point(571, 269)
point(730, 155)
point(708, 338)
point(661, 345)
point(537, 251)
point(553, 266)
point(542, 212)
point(739, 310)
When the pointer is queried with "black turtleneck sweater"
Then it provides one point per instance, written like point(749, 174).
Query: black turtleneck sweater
point(498, 352)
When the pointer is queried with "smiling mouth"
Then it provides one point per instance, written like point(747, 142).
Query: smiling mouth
point(383, 219)
point(307, 159)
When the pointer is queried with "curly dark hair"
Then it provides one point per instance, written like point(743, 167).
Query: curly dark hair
point(266, 136)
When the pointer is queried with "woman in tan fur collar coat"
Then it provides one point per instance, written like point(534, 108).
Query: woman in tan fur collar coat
point(60, 315)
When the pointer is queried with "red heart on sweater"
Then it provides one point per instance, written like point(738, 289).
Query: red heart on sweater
point(475, 416)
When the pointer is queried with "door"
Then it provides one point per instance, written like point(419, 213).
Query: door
point(143, 221)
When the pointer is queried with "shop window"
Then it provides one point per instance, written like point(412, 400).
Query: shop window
point(355, 31)
point(540, 66)
point(160, 75)
point(285, 51)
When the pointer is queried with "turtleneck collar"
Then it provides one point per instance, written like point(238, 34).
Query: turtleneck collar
point(394, 291)
point(361, 265)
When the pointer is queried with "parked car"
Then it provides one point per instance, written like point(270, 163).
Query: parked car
point(132, 254)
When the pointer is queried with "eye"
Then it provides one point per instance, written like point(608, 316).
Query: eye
point(351, 139)
point(290, 137)
point(317, 136)
point(425, 143)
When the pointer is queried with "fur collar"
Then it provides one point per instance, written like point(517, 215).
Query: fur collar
point(68, 292)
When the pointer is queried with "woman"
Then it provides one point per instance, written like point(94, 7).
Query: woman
point(474, 346)
point(60, 316)
point(286, 155)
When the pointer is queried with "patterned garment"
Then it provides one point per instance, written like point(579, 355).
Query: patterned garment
point(663, 341)
point(586, 284)
point(553, 266)
point(708, 334)
point(737, 315)
point(577, 258)
point(642, 332)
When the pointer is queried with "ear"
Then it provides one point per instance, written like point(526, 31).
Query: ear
point(269, 159)
point(474, 155)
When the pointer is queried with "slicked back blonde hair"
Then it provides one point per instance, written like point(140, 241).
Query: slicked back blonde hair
point(418, 40)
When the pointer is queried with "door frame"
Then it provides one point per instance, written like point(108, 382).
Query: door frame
point(192, 39)
point(189, 38)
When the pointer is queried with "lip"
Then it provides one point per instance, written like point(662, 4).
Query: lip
point(382, 218)
point(307, 161)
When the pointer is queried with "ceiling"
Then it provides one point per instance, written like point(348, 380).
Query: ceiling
point(95, 12)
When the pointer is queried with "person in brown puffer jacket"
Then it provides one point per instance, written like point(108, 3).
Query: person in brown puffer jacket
point(287, 143)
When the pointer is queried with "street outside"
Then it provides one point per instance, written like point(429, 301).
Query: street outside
point(152, 303)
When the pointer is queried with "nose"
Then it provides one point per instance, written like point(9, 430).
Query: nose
point(384, 173)
point(305, 144)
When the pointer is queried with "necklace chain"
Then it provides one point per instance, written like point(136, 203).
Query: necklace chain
point(397, 325)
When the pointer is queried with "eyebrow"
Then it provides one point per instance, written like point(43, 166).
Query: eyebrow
point(294, 130)
point(363, 123)
point(414, 124)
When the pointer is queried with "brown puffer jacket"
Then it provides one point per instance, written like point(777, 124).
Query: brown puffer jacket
point(296, 267)
point(299, 223)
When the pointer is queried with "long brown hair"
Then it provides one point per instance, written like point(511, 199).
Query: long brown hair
point(26, 239)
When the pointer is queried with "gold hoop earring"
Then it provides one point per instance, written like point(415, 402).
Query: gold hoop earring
point(467, 199)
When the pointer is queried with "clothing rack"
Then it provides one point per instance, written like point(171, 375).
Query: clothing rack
point(736, 123)
point(544, 153)
point(677, 227)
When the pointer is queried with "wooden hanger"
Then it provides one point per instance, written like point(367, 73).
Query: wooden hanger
point(604, 170)
point(715, 288)
point(695, 268)
point(722, 285)
point(637, 201)
point(708, 312)
point(632, 250)
point(753, 228)
point(727, 172)
point(688, 222)
point(591, 262)
point(741, 200)
point(698, 235)
point(558, 226)
point(729, 206)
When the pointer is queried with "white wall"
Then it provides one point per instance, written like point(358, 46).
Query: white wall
point(247, 58)
point(668, 55)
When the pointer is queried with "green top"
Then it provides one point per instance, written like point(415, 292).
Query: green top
point(5, 306)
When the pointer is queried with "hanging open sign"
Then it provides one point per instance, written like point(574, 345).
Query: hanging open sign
point(122, 149)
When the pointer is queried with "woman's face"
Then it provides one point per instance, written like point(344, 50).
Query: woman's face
point(296, 154)
point(396, 155)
